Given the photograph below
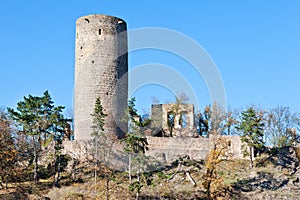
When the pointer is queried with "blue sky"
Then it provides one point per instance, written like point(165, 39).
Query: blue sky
point(255, 45)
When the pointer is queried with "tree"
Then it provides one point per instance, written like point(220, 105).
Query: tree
point(174, 111)
point(98, 131)
point(252, 129)
point(135, 140)
point(230, 121)
point(7, 149)
point(59, 128)
point(40, 120)
point(281, 124)
point(212, 180)
point(213, 121)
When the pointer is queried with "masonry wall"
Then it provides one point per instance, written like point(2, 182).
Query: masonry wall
point(160, 119)
point(170, 148)
point(100, 65)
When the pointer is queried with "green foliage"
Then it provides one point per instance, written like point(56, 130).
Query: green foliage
point(38, 118)
point(98, 117)
point(135, 187)
point(135, 119)
point(135, 139)
point(135, 143)
point(252, 128)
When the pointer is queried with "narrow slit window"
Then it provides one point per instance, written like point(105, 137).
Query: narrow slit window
point(99, 31)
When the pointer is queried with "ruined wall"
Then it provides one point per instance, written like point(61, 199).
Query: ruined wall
point(183, 121)
point(163, 149)
point(101, 62)
point(170, 148)
point(84, 150)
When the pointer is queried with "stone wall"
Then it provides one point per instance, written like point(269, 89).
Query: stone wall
point(84, 150)
point(170, 148)
point(163, 149)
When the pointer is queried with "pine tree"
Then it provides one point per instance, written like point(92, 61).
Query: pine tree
point(98, 131)
point(40, 120)
point(135, 140)
point(252, 129)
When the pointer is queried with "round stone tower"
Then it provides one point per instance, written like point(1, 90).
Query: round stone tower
point(101, 61)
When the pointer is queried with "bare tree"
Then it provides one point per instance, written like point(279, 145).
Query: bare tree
point(174, 110)
point(213, 121)
point(281, 126)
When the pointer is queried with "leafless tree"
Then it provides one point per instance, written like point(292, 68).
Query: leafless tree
point(281, 126)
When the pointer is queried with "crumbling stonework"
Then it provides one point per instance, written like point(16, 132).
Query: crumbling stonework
point(170, 148)
point(84, 151)
point(183, 119)
point(101, 62)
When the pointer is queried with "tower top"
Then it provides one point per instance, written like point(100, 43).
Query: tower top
point(101, 17)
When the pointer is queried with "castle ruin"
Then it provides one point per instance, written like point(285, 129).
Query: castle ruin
point(101, 68)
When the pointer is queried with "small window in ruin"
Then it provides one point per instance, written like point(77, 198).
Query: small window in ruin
point(81, 47)
point(183, 119)
point(87, 20)
point(229, 143)
point(106, 93)
point(99, 31)
point(171, 119)
point(92, 61)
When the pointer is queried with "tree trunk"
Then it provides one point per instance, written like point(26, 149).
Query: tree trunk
point(96, 158)
point(55, 152)
point(107, 188)
point(208, 190)
point(58, 170)
point(251, 156)
point(35, 150)
point(129, 169)
point(35, 176)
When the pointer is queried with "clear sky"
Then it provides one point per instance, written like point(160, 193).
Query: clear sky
point(255, 45)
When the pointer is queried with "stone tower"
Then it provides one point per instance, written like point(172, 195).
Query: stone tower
point(101, 60)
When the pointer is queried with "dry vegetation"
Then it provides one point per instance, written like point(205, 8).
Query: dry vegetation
point(274, 176)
